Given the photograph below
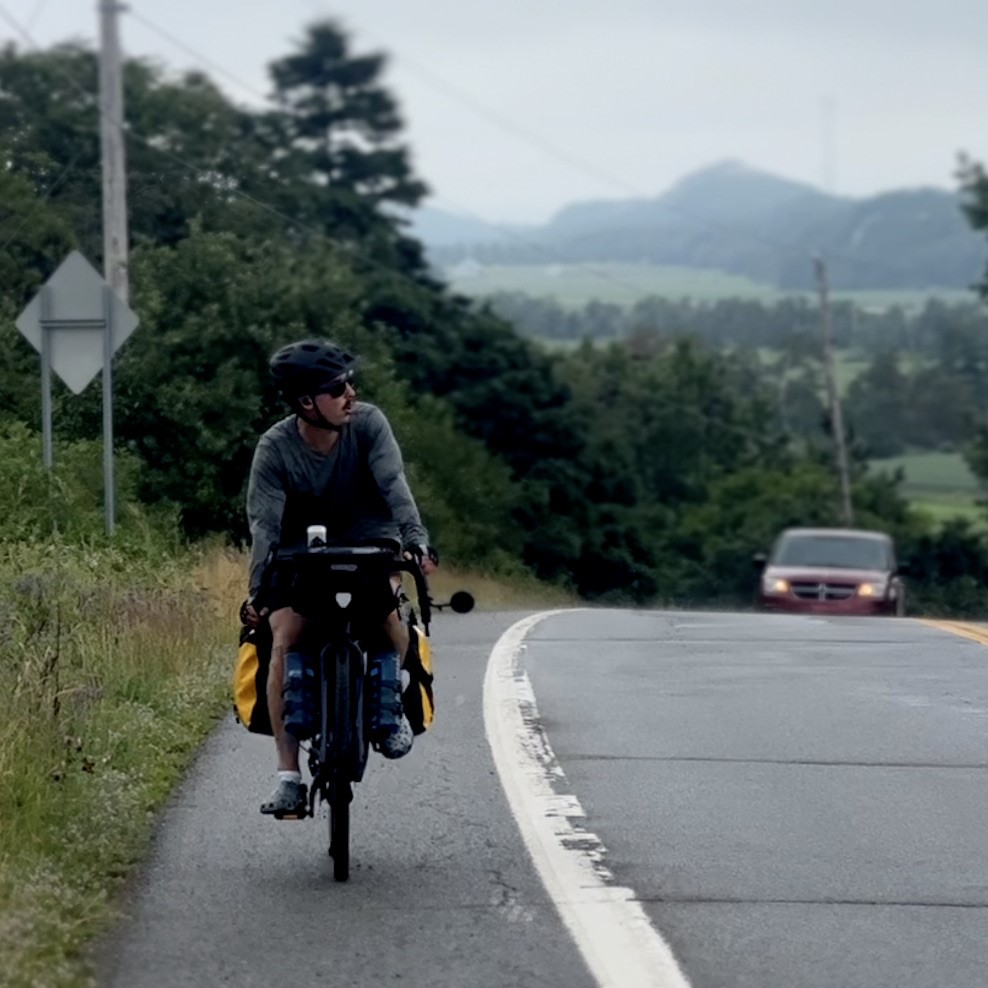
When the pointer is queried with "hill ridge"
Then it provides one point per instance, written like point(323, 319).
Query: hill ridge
point(732, 217)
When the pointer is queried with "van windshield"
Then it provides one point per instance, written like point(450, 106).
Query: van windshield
point(836, 551)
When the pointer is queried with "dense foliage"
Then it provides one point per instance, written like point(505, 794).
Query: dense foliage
point(646, 468)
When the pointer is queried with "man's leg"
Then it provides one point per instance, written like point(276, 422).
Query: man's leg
point(394, 627)
point(289, 797)
point(286, 629)
point(397, 634)
point(399, 741)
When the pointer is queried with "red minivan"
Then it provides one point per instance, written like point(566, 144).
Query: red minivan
point(832, 571)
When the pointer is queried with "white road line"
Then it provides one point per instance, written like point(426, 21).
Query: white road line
point(617, 940)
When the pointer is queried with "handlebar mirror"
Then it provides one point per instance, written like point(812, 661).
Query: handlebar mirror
point(461, 602)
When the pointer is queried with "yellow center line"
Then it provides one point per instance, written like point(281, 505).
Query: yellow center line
point(966, 629)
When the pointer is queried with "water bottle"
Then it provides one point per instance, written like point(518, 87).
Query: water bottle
point(385, 696)
point(299, 693)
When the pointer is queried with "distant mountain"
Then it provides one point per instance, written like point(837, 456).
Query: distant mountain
point(736, 219)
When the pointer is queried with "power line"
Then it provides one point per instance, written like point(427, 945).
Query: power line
point(197, 55)
point(35, 15)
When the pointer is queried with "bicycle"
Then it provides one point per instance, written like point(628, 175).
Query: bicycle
point(339, 750)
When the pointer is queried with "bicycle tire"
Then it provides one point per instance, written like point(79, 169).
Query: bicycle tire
point(359, 745)
point(339, 830)
point(339, 753)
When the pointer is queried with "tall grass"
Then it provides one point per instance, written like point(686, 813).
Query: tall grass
point(114, 666)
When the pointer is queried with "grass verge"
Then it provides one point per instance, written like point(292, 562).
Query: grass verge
point(117, 667)
point(494, 593)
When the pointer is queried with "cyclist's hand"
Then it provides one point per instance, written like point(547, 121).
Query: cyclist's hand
point(426, 557)
point(250, 615)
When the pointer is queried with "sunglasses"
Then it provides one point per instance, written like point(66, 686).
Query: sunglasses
point(337, 389)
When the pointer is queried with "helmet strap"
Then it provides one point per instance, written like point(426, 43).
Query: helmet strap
point(318, 421)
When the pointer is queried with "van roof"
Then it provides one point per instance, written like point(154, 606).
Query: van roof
point(858, 533)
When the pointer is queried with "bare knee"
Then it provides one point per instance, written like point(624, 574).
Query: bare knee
point(287, 627)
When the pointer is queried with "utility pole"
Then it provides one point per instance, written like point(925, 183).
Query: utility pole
point(115, 236)
point(115, 243)
point(836, 418)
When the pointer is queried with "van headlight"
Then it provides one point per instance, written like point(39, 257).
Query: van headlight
point(870, 590)
point(772, 585)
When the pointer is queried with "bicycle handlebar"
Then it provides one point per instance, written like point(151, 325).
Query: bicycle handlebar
point(343, 559)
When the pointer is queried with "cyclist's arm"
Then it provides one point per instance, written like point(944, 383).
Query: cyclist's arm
point(265, 507)
point(386, 465)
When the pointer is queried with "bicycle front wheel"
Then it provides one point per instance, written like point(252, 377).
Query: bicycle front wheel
point(340, 749)
point(339, 829)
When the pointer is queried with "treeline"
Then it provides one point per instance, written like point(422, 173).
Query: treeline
point(646, 470)
point(924, 386)
point(935, 330)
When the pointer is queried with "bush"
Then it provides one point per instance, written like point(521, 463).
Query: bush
point(36, 503)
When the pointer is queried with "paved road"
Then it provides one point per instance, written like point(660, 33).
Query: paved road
point(797, 802)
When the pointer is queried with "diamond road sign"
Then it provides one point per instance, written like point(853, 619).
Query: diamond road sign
point(74, 315)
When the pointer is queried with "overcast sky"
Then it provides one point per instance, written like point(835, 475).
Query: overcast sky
point(516, 107)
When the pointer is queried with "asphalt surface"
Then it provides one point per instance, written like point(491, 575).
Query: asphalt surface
point(797, 802)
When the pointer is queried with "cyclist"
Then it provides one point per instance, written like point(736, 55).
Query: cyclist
point(334, 462)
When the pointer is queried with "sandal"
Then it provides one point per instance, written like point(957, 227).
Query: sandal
point(289, 801)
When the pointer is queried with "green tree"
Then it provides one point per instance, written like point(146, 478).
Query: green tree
point(877, 406)
point(974, 192)
point(189, 384)
point(343, 129)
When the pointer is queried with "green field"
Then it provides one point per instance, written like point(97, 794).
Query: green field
point(574, 285)
point(939, 483)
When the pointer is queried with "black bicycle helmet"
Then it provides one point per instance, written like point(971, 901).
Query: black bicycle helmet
point(308, 367)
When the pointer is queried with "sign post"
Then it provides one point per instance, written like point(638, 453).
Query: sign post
point(46, 440)
point(109, 494)
point(77, 324)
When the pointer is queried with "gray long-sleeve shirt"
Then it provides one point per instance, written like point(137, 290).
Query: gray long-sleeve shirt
point(358, 490)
